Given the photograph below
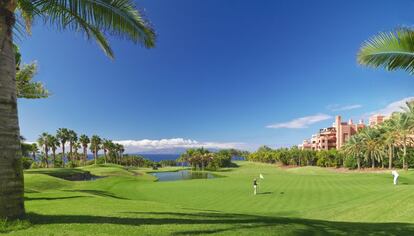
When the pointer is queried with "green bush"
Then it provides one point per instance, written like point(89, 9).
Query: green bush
point(71, 164)
point(350, 162)
point(35, 165)
point(27, 163)
point(58, 161)
point(164, 163)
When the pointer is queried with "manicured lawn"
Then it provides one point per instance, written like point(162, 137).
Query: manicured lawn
point(308, 200)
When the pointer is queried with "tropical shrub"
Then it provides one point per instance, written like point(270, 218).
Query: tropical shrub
point(27, 162)
point(350, 162)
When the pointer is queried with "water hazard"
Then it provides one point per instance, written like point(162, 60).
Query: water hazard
point(182, 175)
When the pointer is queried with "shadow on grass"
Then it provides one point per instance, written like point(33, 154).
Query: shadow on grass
point(228, 223)
point(26, 190)
point(50, 198)
point(97, 193)
point(265, 193)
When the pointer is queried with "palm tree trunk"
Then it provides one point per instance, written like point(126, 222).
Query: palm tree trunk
point(359, 163)
point(46, 156)
point(94, 155)
point(404, 155)
point(70, 151)
point(11, 174)
point(105, 155)
point(85, 155)
point(63, 154)
point(54, 157)
point(390, 153)
point(373, 161)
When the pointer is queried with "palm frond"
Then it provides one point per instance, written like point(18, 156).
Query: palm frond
point(26, 88)
point(98, 18)
point(27, 11)
point(392, 50)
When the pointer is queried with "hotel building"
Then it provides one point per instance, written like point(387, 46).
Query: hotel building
point(337, 135)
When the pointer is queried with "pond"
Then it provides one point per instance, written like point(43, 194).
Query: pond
point(182, 175)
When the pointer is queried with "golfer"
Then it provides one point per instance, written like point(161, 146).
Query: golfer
point(255, 186)
point(396, 175)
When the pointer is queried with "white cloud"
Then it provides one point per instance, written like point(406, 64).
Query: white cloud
point(300, 123)
point(146, 145)
point(393, 107)
point(344, 108)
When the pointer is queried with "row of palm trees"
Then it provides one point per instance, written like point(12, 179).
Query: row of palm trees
point(387, 140)
point(201, 159)
point(64, 136)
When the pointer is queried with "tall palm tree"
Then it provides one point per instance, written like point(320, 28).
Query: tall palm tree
point(76, 147)
point(63, 135)
point(354, 147)
point(402, 124)
point(44, 142)
point(106, 146)
point(183, 158)
point(113, 155)
point(54, 144)
point(390, 136)
point(84, 140)
point(372, 145)
point(391, 50)
point(96, 142)
point(117, 150)
point(34, 149)
point(121, 153)
point(95, 19)
point(72, 138)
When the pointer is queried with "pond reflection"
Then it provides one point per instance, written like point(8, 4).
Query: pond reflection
point(182, 175)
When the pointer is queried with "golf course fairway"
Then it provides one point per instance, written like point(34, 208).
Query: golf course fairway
point(295, 201)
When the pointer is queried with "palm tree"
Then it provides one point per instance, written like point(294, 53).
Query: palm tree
point(96, 142)
point(95, 19)
point(63, 135)
point(392, 50)
point(84, 140)
point(117, 151)
point(402, 124)
point(54, 144)
point(184, 158)
point(76, 147)
point(34, 149)
point(72, 138)
point(25, 87)
point(44, 142)
point(121, 153)
point(113, 153)
point(106, 145)
point(354, 147)
point(372, 145)
point(206, 158)
point(390, 136)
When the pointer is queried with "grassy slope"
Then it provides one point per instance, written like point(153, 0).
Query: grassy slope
point(293, 201)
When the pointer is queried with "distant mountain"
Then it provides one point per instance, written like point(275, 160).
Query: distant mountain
point(178, 151)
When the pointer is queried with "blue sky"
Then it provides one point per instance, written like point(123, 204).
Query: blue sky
point(224, 73)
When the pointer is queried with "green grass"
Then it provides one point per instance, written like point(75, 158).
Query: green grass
point(309, 200)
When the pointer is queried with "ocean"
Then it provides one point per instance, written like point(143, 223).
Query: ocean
point(160, 157)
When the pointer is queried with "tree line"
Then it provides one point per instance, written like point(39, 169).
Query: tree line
point(203, 159)
point(48, 144)
point(389, 144)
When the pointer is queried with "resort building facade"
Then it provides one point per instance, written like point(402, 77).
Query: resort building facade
point(337, 135)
